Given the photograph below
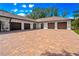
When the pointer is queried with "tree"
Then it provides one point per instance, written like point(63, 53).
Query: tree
point(38, 13)
point(55, 11)
point(76, 14)
point(42, 15)
point(46, 12)
point(75, 23)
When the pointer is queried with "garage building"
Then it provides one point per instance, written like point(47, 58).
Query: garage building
point(11, 22)
point(55, 23)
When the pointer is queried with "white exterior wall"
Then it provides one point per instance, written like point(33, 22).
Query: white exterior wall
point(31, 25)
point(69, 25)
point(22, 23)
point(22, 26)
point(5, 26)
point(19, 21)
point(56, 25)
point(45, 25)
point(38, 25)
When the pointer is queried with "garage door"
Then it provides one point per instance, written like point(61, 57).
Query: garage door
point(51, 25)
point(62, 25)
point(15, 26)
point(26, 26)
point(0, 26)
point(34, 26)
point(42, 25)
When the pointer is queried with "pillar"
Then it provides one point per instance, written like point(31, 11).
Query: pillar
point(39, 25)
point(22, 26)
point(45, 25)
point(31, 26)
point(56, 25)
point(69, 25)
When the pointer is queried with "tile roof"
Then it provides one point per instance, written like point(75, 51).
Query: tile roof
point(54, 18)
point(10, 15)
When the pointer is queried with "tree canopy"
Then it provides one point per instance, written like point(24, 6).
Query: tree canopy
point(46, 12)
point(76, 13)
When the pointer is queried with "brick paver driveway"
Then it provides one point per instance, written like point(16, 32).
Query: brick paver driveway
point(39, 42)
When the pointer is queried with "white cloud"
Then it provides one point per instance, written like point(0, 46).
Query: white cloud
point(30, 10)
point(21, 14)
point(31, 5)
point(24, 6)
point(15, 4)
point(21, 10)
point(26, 10)
point(71, 17)
point(15, 10)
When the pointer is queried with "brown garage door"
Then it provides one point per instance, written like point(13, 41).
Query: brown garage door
point(15, 26)
point(62, 25)
point(26, 26)
point(0, 26)
point(51, 25)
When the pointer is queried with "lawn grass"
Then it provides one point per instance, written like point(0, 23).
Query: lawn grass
point(77, 31)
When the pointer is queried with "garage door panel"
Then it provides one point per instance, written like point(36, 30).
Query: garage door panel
point(42, 25)
point(0, 26)
point(62, 25)
point(15, 26)
point(51, 25)
point(34, 26)
point(26, 26)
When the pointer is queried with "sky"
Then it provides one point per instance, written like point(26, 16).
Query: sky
point(26, 8)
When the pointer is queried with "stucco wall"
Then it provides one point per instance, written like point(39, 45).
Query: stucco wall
point(5, 24)
point(56, 26)
point(22, 23)
point(38, 25)
point(69, 25)
point(45, 25)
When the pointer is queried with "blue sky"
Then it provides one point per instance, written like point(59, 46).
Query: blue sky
point(26, 8)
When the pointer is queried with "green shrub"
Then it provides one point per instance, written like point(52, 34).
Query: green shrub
point(75, 23)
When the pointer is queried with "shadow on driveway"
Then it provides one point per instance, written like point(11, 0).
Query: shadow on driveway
point(15, 31)
point(63, 53)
